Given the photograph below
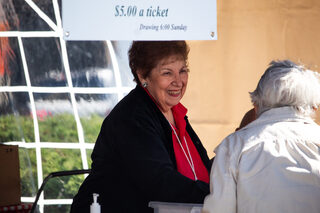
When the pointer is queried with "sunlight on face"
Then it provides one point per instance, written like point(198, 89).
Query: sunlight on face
point(167, 82)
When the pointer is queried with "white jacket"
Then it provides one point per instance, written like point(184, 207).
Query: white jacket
point(270, 166)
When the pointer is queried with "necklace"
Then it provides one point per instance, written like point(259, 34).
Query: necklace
point(188, 157)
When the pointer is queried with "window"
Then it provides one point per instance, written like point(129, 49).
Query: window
point(54, 96)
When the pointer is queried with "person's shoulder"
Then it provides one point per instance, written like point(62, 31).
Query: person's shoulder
point(134, 106)
point(233, 141)
point(129, 103)
point(241, 139)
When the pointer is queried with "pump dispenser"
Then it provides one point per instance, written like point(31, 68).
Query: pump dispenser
point(95, 207)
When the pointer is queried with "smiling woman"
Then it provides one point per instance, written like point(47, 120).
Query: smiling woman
point(147, 150)
point(167, 83)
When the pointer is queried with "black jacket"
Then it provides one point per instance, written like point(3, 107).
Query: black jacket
point(134, 161)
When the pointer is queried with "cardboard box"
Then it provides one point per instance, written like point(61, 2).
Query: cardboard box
point(10, 189)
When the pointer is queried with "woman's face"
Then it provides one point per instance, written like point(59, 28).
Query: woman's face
point(167, 82)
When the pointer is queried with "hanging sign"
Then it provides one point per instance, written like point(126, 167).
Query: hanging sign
point(139, 19)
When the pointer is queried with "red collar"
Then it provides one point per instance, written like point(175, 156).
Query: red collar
point(179, 112)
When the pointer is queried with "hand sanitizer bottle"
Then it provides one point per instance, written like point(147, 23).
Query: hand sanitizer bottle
point(95, 207)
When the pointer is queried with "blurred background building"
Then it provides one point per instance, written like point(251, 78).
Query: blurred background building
point(54, 94)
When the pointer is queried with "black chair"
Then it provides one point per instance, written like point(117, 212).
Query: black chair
point(56, 174)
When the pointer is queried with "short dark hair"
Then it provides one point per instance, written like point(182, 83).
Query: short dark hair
point(145, 55)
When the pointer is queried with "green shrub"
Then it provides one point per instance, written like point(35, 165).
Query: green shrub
point(16, 128)
point(58, 160)
point(56, 128)
point(91, 127)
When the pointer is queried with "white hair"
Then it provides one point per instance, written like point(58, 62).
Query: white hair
point(285, 83)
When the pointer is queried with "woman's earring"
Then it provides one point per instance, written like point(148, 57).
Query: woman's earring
point(144, 84)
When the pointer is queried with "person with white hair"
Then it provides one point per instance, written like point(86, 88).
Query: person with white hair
point(272, 165)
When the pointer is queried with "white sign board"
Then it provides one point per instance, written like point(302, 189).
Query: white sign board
point(139, 19)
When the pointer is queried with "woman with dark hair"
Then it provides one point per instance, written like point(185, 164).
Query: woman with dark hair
point(147, 150)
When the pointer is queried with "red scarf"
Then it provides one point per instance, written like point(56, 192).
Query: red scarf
point(179, 112)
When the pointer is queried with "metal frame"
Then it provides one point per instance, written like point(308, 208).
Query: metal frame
point(56, 174)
